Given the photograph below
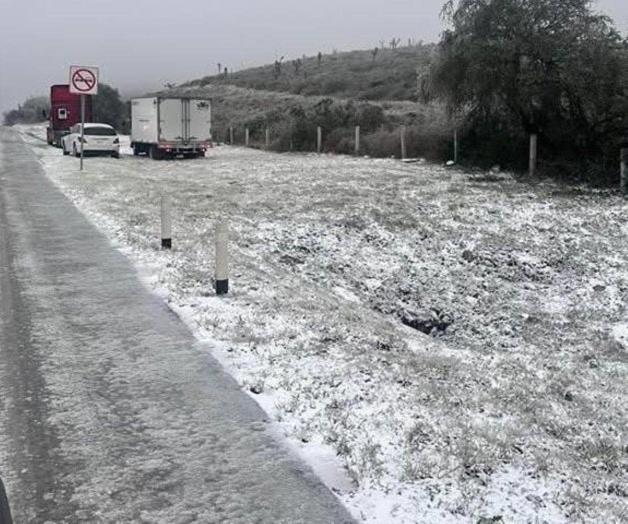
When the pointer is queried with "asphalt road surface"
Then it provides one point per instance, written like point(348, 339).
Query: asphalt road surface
point(109, 409)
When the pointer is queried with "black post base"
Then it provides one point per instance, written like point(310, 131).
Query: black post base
point(222, 287)
point(166, 243)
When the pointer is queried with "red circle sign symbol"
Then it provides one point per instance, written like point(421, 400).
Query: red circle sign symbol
point(83, 80)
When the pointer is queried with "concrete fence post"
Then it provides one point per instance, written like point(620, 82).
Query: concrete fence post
point(403, 143)
point(222, 258)
point(166, 222)
point(231, 136)
point(357, 140)
point(319, 139)
point(533, 153)
point(267, 141)
point(246, 137)
point(623, 173)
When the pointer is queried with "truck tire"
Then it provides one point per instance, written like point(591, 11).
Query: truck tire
point(77, 154)
point(155, 153)
point(5, 510)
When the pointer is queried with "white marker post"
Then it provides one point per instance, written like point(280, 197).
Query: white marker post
point(231, 136)
point(319, 139)
point(357, 140)
point(456, 146)
point(166, 222)
point(403, 143)
point(83, 81)
point(267, 138)
point(246, 137)
point(222, 258)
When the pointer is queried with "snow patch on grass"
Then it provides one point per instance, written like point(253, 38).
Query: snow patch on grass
point(458, 341)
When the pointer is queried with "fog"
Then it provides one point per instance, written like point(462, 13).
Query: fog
point(141, 45)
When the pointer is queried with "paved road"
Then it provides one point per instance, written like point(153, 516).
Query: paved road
point(109, 411)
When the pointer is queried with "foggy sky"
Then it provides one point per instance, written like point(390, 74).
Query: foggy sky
point(141, 44)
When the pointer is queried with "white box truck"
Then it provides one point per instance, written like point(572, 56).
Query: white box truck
point(170, 126)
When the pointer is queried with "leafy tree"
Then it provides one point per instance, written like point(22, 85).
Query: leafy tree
point(108, 108)
point(552, 67)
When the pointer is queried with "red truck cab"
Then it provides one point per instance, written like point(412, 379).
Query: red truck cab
point(65, 111)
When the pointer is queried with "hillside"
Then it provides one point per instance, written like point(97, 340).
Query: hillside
point(374, 90)
point(387, 74)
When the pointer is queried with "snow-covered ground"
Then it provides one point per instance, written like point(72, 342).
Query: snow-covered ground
point(513, 406)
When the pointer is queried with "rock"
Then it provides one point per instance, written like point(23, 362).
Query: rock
point(496, 169)
point(599, 287)
point(256, 389)
point(431, 323)
point(450, 163)
point(569, 396)
point(468, 255)
point(490, 520)
point(619, 337)
point(383, 346)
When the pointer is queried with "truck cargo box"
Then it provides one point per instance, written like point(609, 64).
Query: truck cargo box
point(170, 126)
point(65, 111)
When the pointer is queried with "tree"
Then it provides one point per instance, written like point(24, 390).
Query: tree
point(108, 108)
point(552, 67)
point(34, 109)
point(277, 69)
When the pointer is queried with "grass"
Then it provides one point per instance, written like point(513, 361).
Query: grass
point(521, 401)
point(389, 75)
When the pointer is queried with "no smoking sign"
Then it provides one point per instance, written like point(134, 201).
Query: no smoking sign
point(83, 80)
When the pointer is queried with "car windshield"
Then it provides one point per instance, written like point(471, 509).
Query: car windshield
point(100, 131)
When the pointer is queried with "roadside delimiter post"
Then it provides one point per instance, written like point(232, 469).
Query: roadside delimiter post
point(246, 137)
point(267, 138)
point(357, 140)
point(231, 136)
point(319, 139)
point(166, 223)
point(456, 146)
point(403, 142)
point(533, 153)
point(222, 258)
point(624, 167)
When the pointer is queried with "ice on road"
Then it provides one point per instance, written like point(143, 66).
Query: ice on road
point(109, 409)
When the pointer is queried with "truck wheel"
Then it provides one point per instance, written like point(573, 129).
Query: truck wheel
point(65, 151)
point(5, 510)
point(200, 154)
point(77, 154)
point(154, 153)
point(115, 154)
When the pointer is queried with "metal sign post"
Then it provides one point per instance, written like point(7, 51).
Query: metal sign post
point(82, 128)
point(83, 81)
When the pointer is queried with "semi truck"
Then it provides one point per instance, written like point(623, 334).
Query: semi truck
point(65, 111)
point(164, 126)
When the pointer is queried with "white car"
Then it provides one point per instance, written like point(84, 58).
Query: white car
point(98, 139)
